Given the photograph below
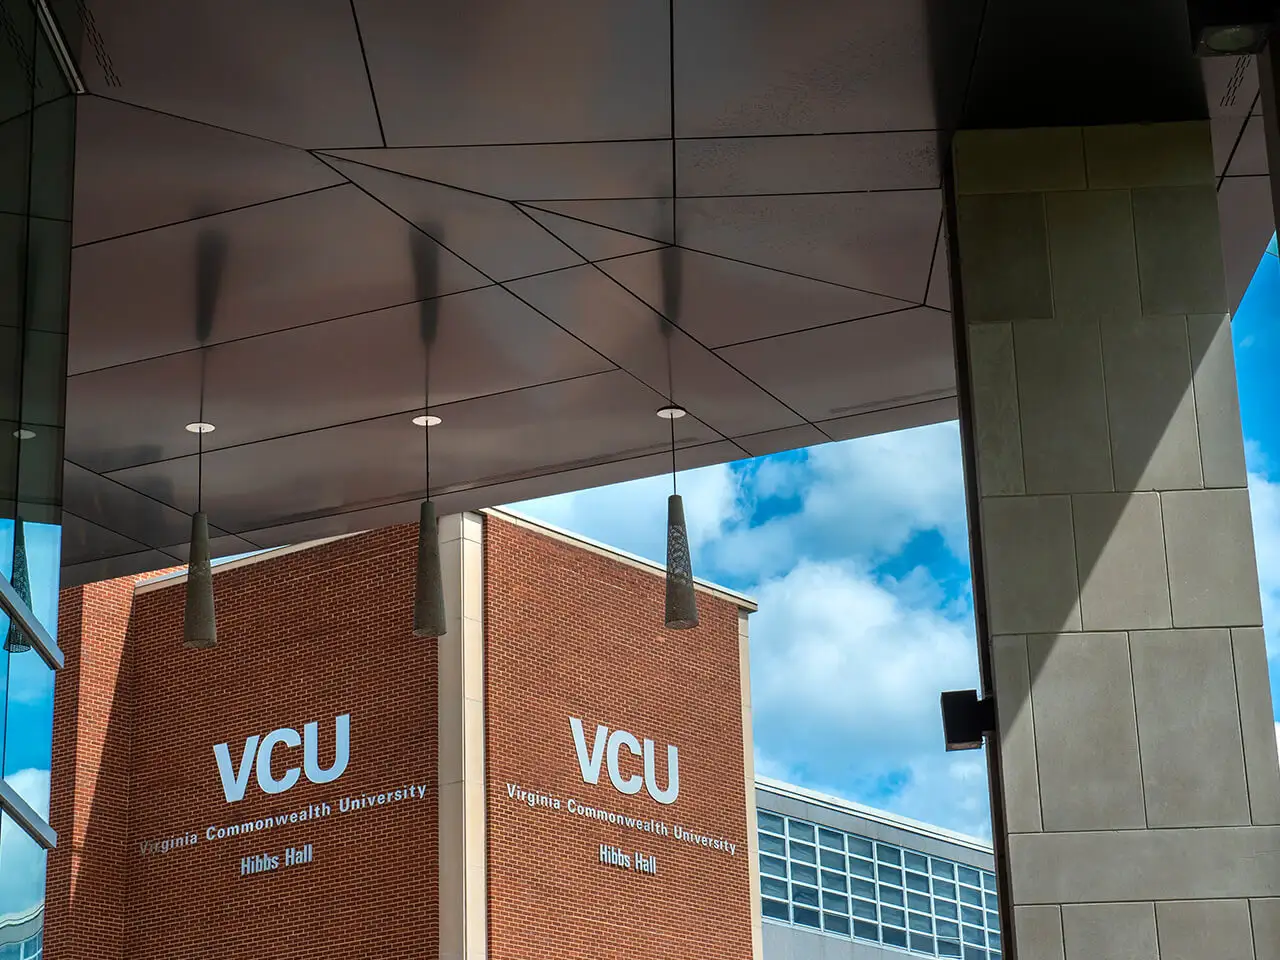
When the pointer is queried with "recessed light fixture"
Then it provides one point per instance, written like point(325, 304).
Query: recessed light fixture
point(22, 433)
point(426, 420)
point(672, 412)
point(200, 427)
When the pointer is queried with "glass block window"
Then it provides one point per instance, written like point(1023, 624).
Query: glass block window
point(853, 887)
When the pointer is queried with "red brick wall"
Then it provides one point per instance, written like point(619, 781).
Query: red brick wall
point(573, 633)
point(89, 801)
point(302, 637)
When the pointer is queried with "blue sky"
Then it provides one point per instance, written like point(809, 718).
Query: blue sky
point(857, 554)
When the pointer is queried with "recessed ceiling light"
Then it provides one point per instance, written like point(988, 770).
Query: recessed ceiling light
point(22, 433)
point(672, 412)
point(426, 420)
point(200, 427)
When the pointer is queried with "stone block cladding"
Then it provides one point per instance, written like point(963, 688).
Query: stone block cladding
point(572, 632)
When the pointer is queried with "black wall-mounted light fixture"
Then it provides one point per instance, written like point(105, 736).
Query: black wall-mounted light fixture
point(966, 719)
point(1230, 28)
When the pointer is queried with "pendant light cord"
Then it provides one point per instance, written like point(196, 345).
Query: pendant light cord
point(200, 441)
point(673, 455)
point(426, 414)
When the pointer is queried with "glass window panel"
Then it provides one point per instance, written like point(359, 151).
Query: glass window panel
point(893, 915)
point(804, 874)
point(803, 852)
point(917, 882)
point(969, 895)
point(22, 870)
point(946, 871)
point(861, 846)
point(864, 910)
point(833, 924)
point(970, 915)
point(834, 881)
point(973, 935)
point(830, 839)
point(993, 940)
point(890, 875)
point(993, 921)
point(919, 923)
point(26, 729)
point(990, 900)
point(915, 861)
point(773, 866)
point(835, 903)
point(974, 953)
point(772, 844)
point(895, 938)
point(948, 928)
point(888, 854)
point(862, 868)
point(863, 888)
point(988, 881)
point(891, 895)
point(945, 909)
point(944, 888)
point(948, 948)
point(775, 910)
point(831, 859)
point(866, 931)
point(804, 895)
point(769, 821)
point(968, 875)
point(918, 901)
point(922, 944)
point(806, 917)
point(800, 831)
point(772, 887)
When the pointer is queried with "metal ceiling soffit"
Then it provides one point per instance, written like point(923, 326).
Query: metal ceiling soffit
point(199, 625)
point(16, 641)
point(682, 602)
point(428, 602)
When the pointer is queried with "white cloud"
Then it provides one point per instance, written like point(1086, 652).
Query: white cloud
point(21, 860)
point(1264, 496)
point(863, 498)
point(846, 675)
point(633, 516)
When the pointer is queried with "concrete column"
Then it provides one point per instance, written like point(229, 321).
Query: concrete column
point(460, 698)
point(1120, 616)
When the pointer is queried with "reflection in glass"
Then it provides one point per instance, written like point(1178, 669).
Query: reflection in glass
point(26, 738)
point(22, 865)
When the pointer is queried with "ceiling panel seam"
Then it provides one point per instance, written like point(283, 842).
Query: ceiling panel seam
point(709, 253)
point(368, 75)
point(205, 216)
point(513, 293)
point(443, 407)
point(702, 346)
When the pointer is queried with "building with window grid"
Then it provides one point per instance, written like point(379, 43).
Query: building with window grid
point(840, 881)
point(21, 935)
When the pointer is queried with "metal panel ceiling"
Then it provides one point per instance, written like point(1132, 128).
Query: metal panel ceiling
point(551, 152)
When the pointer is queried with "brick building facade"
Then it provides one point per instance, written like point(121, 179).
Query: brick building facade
point(323, 783)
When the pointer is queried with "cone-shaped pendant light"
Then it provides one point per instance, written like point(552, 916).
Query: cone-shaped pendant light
point(16, 641)
point(428, 601)
point(199, 626)
point(682, 603)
